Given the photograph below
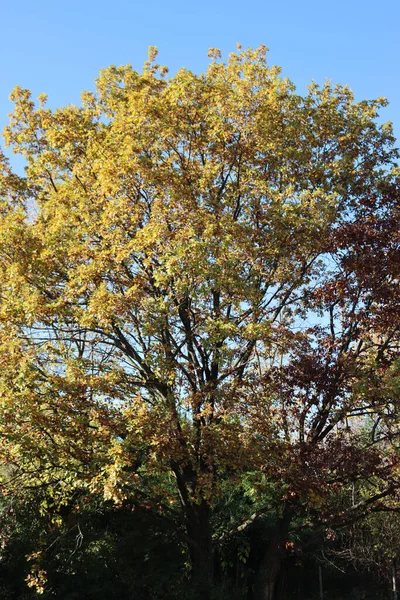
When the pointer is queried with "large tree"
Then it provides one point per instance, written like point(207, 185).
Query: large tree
point(199, 281)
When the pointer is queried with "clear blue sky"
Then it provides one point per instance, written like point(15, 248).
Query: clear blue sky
point(58, 47)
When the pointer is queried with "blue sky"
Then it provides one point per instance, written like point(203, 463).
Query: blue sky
point(58, 47)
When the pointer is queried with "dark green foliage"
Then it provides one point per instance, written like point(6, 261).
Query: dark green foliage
point(98, 551)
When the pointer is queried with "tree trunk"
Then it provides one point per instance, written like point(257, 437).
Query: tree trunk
point(321, 585)
point(198, 530)
point(200, 550)
point(282, 584)
point(300, 583)
point(272, 560)
point(394, 586)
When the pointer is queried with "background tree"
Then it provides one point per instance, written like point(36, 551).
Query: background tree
point(199, 280)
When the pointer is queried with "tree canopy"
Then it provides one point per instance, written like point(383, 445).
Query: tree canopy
point(199, 285)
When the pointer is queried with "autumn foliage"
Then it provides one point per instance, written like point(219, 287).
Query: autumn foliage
point(199, 286)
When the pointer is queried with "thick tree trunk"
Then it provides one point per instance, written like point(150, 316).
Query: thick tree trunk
point(282, 585)
point(200, 550)
point(198, 530)
point(300, 583)
point(272, 560)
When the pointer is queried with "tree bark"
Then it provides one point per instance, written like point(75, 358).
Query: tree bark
point(272, 560)
point(198, 530)
point(394, 586)
point(200, 550)
point(282, 584)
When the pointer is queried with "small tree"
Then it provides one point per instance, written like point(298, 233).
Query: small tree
point(197, 275)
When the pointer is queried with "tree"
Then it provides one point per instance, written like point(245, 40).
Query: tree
point(93, 549)
point(198, 281)
point(369, 546)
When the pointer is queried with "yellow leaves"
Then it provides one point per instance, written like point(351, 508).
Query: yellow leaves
point(219, 329)
point(152, 53)
point(37, 579)
point(113, 477)
point(42, 99)
point(176, 232)
point(261, 51)
point(257, 331)
point(214, 53)
point(101, 309)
